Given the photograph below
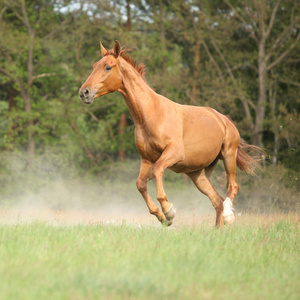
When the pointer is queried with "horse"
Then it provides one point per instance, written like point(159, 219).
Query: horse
point(183, 138)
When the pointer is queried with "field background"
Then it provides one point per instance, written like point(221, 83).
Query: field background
point(72, 224)
point(256, 258)
point(69, 237)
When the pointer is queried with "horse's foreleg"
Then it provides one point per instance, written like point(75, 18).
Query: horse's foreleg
point(202, 182)
point(141, 183)
point(168, 158)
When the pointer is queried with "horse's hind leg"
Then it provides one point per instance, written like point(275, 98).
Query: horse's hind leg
point(202, 181)
point(141, 183)
point(229, 159)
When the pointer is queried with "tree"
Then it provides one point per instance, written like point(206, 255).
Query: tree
point(276, 35)
point(241, 58)
point(19, 63)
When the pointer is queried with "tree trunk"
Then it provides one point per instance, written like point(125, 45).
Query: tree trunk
point(275, 129)
point(275, 152)
point(262, 95)
point(196, 72)
point(12, 103)
point(162, 35)
point(122, 121)
point(122, 126)
point(162, 26)
point(27, 108)
point(128, 23)
point(27, 97)
point(30, 127)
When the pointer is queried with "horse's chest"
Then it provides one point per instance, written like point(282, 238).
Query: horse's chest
point(148, 146)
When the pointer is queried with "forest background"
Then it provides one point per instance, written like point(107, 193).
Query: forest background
point(239, 57)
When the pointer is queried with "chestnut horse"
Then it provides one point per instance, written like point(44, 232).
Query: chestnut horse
point(186, 139)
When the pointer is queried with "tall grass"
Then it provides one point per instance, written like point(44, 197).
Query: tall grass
point(251, 260)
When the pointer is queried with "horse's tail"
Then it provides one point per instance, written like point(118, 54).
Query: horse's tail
point(245, 159)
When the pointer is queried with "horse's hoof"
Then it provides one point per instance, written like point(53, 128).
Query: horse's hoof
point(167, 223)
point(170, 214)
point(229, 219)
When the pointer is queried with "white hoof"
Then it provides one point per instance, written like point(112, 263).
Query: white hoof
point(228, 215)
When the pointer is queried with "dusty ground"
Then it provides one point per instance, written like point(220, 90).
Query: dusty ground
point(72, 217)
point(84, 217)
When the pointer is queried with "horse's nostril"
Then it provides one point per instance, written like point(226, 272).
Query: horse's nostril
point(86, 92)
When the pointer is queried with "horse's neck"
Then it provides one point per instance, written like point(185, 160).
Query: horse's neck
point(139, 97)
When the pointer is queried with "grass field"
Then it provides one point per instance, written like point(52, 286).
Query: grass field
point(257, 258)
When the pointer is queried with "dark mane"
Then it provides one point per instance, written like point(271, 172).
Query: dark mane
point(140, 68)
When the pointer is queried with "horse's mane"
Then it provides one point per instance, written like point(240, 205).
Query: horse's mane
point(140, 68)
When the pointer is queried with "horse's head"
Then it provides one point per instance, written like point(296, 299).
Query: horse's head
point(105, 77)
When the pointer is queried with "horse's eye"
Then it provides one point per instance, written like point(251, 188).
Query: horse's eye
point(107, 68)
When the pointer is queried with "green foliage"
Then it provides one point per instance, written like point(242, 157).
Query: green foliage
point(47, 49)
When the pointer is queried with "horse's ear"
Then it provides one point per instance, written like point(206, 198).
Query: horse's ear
point(103, 50)
point(117, 49)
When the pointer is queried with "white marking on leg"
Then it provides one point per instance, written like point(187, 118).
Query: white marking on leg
point(227, 207)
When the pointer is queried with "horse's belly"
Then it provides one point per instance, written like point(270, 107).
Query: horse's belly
point(200, 150)
point(203, 139)
point(196, 160)
point(181, 168)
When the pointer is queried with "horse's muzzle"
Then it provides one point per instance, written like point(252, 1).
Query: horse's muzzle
point(86, 96)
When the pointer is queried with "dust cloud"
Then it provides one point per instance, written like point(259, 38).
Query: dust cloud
point(48, 192)
point(111, 203)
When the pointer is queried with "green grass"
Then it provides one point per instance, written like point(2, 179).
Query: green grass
point(246, 261)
